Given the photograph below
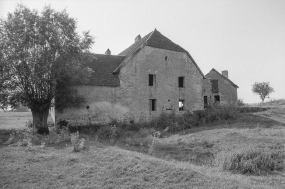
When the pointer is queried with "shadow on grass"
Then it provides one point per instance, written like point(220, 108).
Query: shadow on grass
point(243, 121)
point(4, 135)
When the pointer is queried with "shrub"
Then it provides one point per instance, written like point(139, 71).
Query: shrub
point(109, 132)
point(78, 144)
point(142, 138)
point(29, 124)
point(62, 123)
point(252, 162)
point(251, 109)
point(240, 102)
point(215, 113)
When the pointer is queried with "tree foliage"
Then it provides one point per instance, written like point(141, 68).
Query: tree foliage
point(38, 51)
point(263, 89)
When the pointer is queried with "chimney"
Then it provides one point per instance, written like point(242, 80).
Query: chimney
point(108, 52)
point(138, 38)
point(225, 73)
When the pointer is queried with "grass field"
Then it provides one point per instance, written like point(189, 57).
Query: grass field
point(189, 159)
point(14, 120)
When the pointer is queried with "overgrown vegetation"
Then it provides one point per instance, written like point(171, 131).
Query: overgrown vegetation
point(154, 138)
point(253, 162)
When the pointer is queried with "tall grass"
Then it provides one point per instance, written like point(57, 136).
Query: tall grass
point(251, 162)
point(166, 122)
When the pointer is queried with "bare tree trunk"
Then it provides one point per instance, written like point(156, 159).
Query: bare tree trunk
point(40, 120)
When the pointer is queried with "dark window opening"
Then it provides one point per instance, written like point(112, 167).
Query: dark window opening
point(215, 86)
point(151, 80)
point(181, 82)
point(181, 105)
point(166, 58)
point(217, 98)
point(205, 101)
point(152, 104)
point(87, 107)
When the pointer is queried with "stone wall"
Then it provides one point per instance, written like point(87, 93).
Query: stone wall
point(137, 93)
point(101, 106)
point(131, 101)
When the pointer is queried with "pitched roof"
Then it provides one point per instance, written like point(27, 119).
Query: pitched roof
point(223, 77)
point(129, 51)
point(157, 40)
point(102, 67)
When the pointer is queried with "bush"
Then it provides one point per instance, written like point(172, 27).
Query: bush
point(253, 162)
point(109, 132)
point(251, 109)
point(240, 102)
point(142, 138)
point(215, 113)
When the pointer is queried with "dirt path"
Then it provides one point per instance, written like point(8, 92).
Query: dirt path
point(274, 113)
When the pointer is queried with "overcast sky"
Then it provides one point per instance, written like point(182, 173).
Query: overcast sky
point(245, 37)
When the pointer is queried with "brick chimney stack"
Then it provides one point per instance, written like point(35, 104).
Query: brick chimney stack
point(108, 52)
point(225, 73)
point(138, 38)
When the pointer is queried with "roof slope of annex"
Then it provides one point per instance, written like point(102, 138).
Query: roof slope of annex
point(222, 77)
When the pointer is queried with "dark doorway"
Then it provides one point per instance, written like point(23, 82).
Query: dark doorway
point(205, 101)
point(217, 98)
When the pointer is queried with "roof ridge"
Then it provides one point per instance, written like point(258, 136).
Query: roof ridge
point(150, 35)
point(138, 47)
point(92, 53)
point(223, 77)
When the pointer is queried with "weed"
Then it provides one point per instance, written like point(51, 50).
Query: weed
point(156, 134)
point(77, 143)
point(252, 162)
point(29, 124)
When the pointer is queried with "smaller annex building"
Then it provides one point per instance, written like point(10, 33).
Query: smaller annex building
point(218, 88)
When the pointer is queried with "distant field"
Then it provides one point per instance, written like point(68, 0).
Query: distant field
point(14, 120)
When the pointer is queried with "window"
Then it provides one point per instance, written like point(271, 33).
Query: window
point(181, 82)
point(151, 80)
point(205, 101)
point(217, 98)
point(152, 104)
point(181, 105)
point(215, 86)
point(166, 58)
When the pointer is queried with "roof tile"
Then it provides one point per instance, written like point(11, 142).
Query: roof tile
point(102, 66)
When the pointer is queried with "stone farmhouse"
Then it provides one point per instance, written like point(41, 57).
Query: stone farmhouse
point(218, 88)
point(151, 76)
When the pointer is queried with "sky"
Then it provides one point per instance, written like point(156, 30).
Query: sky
point(245, 37)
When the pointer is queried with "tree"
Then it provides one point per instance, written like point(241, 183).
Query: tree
point(36, 51)
point(263, 89)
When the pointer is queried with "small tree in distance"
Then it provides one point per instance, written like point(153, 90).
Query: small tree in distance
point(263, 89)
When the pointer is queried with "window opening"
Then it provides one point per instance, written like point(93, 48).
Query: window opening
point(205, 101)
point(215, 86)
point(152, 103)
point(151, 80)
point(181, 82)
point(217, 98)
point(165, 57)
point(181, 105)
